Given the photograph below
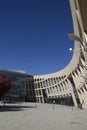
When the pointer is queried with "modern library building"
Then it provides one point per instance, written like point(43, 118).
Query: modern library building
point(67, 86)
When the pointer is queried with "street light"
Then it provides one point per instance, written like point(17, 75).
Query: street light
point(76, 38)
point(84, 46)
point(53, 104)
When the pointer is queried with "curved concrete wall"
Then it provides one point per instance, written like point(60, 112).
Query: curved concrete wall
point(68, 86)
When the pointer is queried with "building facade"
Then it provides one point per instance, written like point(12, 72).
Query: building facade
point(20, 89)
point(67, 86)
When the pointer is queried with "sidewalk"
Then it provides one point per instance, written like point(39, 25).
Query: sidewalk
point(31, 116)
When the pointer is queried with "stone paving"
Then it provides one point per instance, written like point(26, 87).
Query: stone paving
point(31, 116)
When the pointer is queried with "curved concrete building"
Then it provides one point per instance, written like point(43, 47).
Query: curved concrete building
point(68, 86)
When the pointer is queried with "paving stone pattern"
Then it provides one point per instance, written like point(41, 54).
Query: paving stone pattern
point(31, 116)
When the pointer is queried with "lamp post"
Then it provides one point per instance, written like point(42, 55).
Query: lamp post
point(76, 38)
point(84, 47)
point(53, 104)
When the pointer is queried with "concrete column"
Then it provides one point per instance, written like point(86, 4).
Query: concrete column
point(77, 84)
point(72, 93)
point(42, 96)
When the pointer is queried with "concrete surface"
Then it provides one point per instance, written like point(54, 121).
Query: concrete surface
point(31, 116)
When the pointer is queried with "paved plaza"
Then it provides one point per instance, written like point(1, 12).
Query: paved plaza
point(31, 116)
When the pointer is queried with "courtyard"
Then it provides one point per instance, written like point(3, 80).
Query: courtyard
point(36, 116)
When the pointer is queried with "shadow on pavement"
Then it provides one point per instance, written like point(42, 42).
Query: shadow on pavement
point(18, 107)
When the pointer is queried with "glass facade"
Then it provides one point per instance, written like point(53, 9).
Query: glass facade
point(22, 87)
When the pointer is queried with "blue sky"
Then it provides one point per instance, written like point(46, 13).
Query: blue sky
point(33, 35)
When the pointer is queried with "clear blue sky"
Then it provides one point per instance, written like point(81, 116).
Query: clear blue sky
point(33, 35)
